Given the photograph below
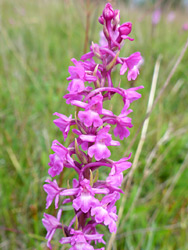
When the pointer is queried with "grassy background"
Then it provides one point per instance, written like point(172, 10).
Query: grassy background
point(37, 41)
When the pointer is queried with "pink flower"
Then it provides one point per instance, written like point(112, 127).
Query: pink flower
point(76, 86)
point(64, 123)
point(51, 224)
point(78, 72)
point(130, 95)
point(115, 177)
point(106, 212)
point(85, 198)
point(91, 114)
point(78, 240)
point(57, 160)
point(53, 191)
point(99, 150)
point(122, 122)
point(131, 63)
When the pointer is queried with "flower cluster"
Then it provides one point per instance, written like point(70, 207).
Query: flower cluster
point(90, 85)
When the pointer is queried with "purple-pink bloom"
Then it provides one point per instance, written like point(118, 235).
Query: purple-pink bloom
point(90, 117)
point(115, 177)
point(85, 198)
point(103, 139)
point(51, 224)
point(53, 191)
point(106, 211)
point(103, 41)
point(78, 72)
point(129, 96)
point(122, 122)
point(64, 123)
point(91, 114)
point(78, 240)
point(131, 63)
point(76, 86)
point(57, 160)
point(102, 215)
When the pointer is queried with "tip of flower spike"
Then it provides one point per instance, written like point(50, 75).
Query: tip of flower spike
point(108, 12)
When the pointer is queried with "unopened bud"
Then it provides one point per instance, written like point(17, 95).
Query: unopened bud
point(125, 28)
point(101, 20)
point(108, 12)
point(116, 18)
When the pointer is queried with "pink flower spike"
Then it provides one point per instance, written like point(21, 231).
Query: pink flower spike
point(90, 195)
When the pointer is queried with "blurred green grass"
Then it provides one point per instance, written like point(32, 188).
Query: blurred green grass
point(37, 41)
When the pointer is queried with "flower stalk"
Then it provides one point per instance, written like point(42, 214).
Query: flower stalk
point(90, 85)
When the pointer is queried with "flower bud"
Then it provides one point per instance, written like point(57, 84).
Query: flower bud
point(101, 20)
point(116, 18)
point(125, 28)
point(108, 12)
